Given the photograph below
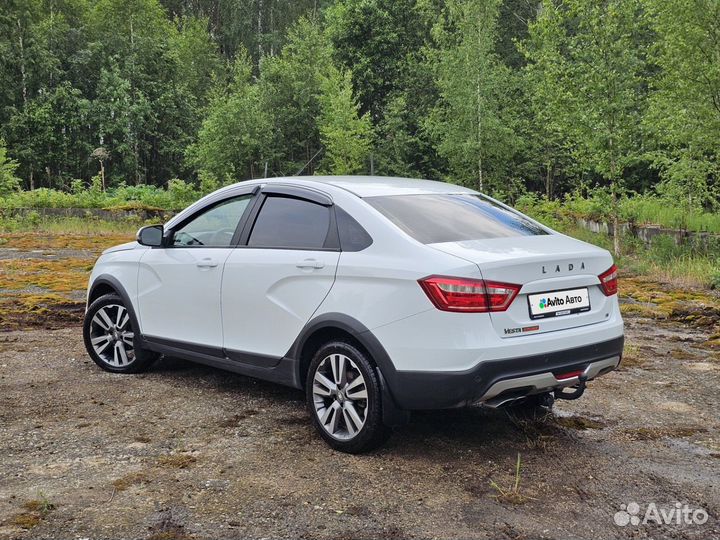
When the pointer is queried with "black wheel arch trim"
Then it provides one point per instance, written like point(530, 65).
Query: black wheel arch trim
point(115, 284)
point(392, 415)
point(349, 325)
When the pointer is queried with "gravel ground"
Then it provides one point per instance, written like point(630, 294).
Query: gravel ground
point(186, 451)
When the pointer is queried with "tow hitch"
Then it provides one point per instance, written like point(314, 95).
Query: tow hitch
point(575, 391)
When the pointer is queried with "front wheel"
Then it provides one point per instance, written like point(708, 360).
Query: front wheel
point(111, 339)
point(344, 398)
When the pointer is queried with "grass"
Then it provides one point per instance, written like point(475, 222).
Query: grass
point(35, 511)
point(58, 276)
point(178, 195)
point(39, 240)
point(650, 210)
point(689, 265)
point(638, 209)
point(36, 224)
point(41, 505)
point(512, 494)
point(580, 423)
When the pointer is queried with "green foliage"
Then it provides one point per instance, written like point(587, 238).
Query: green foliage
point(684, 112)
point(638, 209)
point(469, 124)
point(177, 196)
point(610, 109)
point(386, 45)
point(291, 86)
point(592, 57)
point(714, 278)
point(233, 140)
point(345, 134)
point(8, 181)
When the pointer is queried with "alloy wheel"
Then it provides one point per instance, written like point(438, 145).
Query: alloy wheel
point(112, 336)
point(340, 396)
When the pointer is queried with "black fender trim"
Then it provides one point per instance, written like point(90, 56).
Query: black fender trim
point(111, 281)
point(350, 325)
point(392, 414)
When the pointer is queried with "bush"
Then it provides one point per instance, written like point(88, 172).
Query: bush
point(663, 249)
point(8, 181)
point(177, 196)
point(714, 279)
point(548, 212)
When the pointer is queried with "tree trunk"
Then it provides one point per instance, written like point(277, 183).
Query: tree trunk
point(23, 71)
point(480, 175)
point(549, 181)
point(615, 219)
point(260, 29)
point(102, 174)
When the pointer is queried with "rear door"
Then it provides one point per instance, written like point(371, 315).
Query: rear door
point(280, 274)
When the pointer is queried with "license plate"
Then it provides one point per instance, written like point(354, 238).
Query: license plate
point(558, 303)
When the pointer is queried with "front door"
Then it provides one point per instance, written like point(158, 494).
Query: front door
point(179, 285)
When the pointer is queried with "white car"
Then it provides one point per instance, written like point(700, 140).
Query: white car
point(377, 296)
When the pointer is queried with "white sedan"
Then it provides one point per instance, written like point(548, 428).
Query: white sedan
point(377, 296)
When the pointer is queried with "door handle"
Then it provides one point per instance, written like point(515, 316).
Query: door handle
point(311, 263)
point(207, 262)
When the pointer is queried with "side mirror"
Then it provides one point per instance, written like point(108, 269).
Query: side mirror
point(152, 236)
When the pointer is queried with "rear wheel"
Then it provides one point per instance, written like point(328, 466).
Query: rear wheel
point(344, 398)
point(111, 339)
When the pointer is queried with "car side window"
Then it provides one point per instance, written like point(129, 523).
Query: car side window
point(352, 235)
point(287, 222)
point(215, 227)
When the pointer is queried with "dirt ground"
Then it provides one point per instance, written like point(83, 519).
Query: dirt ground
point(186, 451)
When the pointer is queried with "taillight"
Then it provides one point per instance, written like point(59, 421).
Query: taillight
point(609, 281)
point(468, 295)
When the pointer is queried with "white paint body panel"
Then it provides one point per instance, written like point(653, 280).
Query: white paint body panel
point(178, 299)
point(121, 262)
point(267, 299)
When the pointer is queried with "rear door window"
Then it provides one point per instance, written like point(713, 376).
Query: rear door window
point(432, 219)
point(286, 222)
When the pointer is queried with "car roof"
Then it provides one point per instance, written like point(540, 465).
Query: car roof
point(372, 186)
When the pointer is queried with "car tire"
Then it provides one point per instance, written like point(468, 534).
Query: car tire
point(344, 398)
point(111, 338)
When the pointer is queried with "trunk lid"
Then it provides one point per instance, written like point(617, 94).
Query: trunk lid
point(540, 264)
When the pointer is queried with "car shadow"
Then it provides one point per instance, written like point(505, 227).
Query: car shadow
point(502, 431)
point(225, 381)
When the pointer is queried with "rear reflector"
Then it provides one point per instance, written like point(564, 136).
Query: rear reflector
point(468, 295)
point(609, 281)
point(568, 375)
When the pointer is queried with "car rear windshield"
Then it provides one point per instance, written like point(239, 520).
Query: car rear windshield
point(439, 218)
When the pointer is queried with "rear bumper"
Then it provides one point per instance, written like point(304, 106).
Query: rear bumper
point(490, 380)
